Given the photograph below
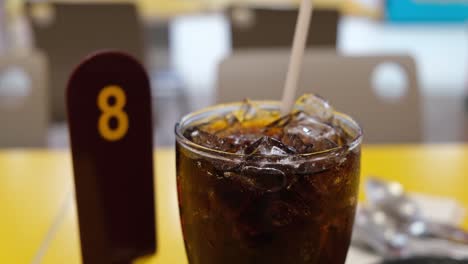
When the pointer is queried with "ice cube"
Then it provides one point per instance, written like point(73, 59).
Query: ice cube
point(296, 142)
point(276, 128)
point(309, 128)
point(240, 136)
point(203, 138)
point(212, 141)
point(307, 134)
point(283, 121)
point(219, 124)
point(316, 106)
point(268, 146)
point(247, 111)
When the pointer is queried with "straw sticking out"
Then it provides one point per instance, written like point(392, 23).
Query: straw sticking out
point(300, 38)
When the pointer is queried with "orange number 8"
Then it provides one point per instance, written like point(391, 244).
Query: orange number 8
point(109, 111)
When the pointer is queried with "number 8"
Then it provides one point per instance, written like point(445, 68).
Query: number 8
point(109, 111)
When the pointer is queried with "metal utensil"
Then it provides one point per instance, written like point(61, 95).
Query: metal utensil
point(391, 198)
point(377, 230)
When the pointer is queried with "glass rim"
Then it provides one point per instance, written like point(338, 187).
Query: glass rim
point(180, 138)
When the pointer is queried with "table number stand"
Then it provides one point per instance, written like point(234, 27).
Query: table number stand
point(110, 124)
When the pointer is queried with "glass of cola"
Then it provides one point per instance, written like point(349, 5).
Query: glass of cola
point(258, 187)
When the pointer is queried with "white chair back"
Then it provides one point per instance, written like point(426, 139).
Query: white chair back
point(347, 82)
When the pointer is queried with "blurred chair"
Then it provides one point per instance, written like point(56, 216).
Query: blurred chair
point(23, 100)
point(352, 84)
point(157, 38)
point(260, 27)
point(3, 26)
point(67, 32)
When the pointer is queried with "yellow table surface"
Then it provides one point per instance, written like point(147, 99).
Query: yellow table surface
point(34, 186)
point(154, 10)
point(163, 9)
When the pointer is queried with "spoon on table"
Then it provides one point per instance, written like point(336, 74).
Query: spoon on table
point(391, 198)
point(376, 230)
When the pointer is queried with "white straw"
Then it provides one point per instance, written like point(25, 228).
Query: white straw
point(294, 70)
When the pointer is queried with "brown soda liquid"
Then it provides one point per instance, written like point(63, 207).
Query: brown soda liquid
point(232, 211)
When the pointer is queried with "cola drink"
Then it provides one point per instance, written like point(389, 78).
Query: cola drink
point(258, 187)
